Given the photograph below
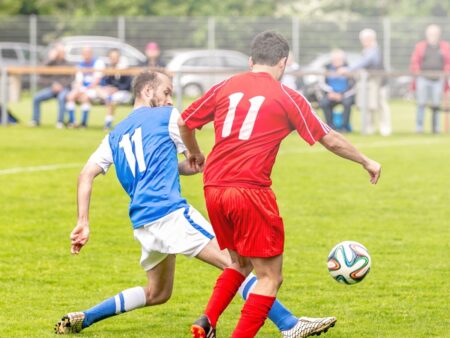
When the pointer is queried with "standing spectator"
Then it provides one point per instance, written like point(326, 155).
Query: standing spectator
point(376, 91)
point(55, 86)
point(116, 88)
point(431, 54)
point(153, 54)
point(85, 87)
point(337, 89)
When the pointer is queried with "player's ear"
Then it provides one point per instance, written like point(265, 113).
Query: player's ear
point(282, 63)
point(250, 62)
point(148, 91)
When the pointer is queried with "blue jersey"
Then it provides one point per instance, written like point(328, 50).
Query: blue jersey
point(143, 148)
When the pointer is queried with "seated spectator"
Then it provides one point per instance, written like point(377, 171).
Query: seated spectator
point(116, 88)
point(54, 86)
point(431, 54)
point(337, 89)
point(153, 54)
point(84, 89)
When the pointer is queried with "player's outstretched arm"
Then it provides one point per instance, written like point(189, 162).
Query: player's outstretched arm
point(337, 144)
point(80, 234)
point(194, 156)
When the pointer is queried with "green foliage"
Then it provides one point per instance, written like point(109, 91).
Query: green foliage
point(403, 221)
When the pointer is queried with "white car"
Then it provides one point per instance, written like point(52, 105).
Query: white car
point(203, 68)
point(100, 45)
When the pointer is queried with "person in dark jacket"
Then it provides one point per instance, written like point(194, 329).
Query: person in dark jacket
point(116, 88)
point(337, 89)
point(54, 86)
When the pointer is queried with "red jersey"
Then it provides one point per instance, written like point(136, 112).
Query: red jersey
point(252, 114)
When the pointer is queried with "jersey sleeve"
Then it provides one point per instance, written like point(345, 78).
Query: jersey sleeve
point(174, 131)
point(103, 155)
point(201, 111)
point(303, 118)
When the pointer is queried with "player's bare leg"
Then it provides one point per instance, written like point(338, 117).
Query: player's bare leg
point(158, 291)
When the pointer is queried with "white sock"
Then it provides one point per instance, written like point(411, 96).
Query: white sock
point(133, 298)
point(247, 286)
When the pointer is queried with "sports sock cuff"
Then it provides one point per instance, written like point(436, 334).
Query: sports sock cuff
point(233, 275)
point(262, 300)
point(134, 298)
point(247, 286)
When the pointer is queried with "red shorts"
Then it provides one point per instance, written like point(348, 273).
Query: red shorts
point(246, 220)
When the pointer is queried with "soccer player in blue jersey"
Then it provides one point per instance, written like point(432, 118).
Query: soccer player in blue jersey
point(143, 148)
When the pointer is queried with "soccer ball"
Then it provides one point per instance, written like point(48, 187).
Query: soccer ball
point(349, 262)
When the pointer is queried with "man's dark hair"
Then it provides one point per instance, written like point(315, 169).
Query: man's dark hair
point(145, 78)
point(268, 48)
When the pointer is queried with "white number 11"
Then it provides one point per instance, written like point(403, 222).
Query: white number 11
point(250, 119)
point(125, 144)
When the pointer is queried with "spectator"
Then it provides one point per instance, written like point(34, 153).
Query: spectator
point(55, 86)
point(431, 54)
point(337, 89)
point(84, 89)
point(153, 54)
point(116, 88)
point(376, 92)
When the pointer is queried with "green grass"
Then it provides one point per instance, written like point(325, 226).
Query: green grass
point(404, 222)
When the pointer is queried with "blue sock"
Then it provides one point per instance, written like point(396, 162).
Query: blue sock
point(85, 117)
point(72, 116)
point(279, 315)
point(126, 300)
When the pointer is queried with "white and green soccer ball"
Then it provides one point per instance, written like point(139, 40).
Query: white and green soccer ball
point(349, 262)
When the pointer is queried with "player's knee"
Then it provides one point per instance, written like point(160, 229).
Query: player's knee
point(157, 297)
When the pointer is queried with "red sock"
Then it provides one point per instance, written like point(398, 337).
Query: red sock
point(226, 287)
point(253, 314)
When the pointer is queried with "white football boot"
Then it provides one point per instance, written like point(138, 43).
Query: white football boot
point(306, 327)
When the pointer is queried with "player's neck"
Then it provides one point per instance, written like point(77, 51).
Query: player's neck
point(272, 71)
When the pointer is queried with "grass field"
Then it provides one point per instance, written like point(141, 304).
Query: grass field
point(404, 222)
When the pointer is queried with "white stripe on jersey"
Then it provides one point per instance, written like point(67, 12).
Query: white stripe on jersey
point(220, 84)
point(323, 125)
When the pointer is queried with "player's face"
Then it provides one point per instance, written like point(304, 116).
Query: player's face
point(162, 96)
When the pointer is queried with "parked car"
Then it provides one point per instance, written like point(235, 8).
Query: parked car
point(100, 46)
point(19, 54)
point(217, 64)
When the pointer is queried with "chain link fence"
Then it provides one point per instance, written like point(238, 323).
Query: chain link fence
point(308, 38)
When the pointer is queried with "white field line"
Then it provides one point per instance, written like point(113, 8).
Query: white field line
point(379, 144)
point(49, 167)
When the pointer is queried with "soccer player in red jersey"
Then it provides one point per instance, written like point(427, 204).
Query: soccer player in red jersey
point(252, 113)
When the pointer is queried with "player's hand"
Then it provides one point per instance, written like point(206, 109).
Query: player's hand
point(79, 237)
point(374, 170)
point(196, 161)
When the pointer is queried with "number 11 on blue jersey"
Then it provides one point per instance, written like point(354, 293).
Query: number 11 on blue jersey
point(138, 155)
